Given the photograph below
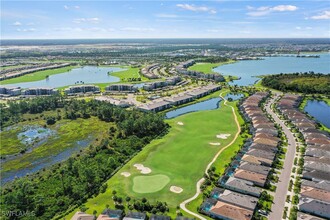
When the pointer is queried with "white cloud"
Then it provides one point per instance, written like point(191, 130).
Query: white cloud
point(191, 7)
point(264, 10)
point(17, 23)
point(83, 20)
point(323, 16)
point(76, 7)
point(298, 28)
point(136, 29)
point(30, 24)
point(26, 30)
point(285, 8)
point(166, 16)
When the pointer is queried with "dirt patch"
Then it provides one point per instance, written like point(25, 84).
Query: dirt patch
point(223, 136)
point(125, 174)
point(176, 189)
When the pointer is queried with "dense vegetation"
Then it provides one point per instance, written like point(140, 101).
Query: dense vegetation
point(50, 192)
point(309, 83)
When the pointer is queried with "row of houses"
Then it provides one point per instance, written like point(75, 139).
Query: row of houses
point(81, 89)
point(148, 71)
point(179, 99)
point(37, 91)
point(314, 197)
point(182, 69)
point(109, 214)
point(31, 69)
point(170, 81)
point(121, 88)
point(244, 179)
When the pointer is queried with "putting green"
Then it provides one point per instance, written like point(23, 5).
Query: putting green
point(150, 184)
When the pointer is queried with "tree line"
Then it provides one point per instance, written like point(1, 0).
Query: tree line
point(52, 191)
point(307, 82)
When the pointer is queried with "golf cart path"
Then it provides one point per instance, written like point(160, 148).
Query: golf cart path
point(200, 182)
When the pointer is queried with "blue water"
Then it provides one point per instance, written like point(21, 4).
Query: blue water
point(44, 162)
point(86, 74)
point(234, 97)
point(248, 69)
point(34, 133)
point(320, 110)
point(199, 106)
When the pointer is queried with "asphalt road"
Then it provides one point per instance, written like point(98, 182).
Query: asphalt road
point(284, 178)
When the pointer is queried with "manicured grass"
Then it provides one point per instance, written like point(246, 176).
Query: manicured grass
point(207, 67)
point(129, 72)
point(68, 132)
point(182, 155)
point(36, 76)
point(11, 67)
point(150, 184)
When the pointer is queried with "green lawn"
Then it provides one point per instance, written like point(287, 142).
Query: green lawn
point(129, 72)
point(207, 67)
point(68, 132)
point(36, 76)
point(150, 184)
point(182, 155)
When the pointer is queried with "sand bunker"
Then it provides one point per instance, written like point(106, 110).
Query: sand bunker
point(216, 143)
point(180, 123)
point(125, 174)
point(143, 169)
point(223, 136)
point(176, 189)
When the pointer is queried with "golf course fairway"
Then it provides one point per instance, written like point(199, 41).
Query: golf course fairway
point(182, 155)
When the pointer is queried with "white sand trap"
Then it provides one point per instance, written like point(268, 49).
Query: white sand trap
point(125, 174)
point(176, 189)
point(223, 136)
point(180, 123)
point(143, 169)
point(215, 143)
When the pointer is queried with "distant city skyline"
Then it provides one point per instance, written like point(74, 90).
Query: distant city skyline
point(164, 19)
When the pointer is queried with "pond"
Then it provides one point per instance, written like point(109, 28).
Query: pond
point(248, 69)
point(45, 162)
point(209, 104)
point(86, 74)
point(33, 134)
point(234, 96)
point(320, 110)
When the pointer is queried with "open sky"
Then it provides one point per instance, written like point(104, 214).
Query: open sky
point(164, 19)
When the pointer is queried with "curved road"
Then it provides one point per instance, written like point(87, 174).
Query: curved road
point(284, 178)
point(200, 182)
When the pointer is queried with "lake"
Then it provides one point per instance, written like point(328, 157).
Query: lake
point(86, 74)
point(248, 69)
point(209, 104)
point(320, 110)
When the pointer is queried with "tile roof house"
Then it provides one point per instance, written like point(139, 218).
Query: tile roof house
point(223, 210)
point(304, 216)
point(255, 168)
point(135, 216)
point(257, 178)
point(242, 186)
point(325, 185)
point(315, 193)
point(257, 160)
point(82, 216)
point(238, 199)
point(314, 207)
